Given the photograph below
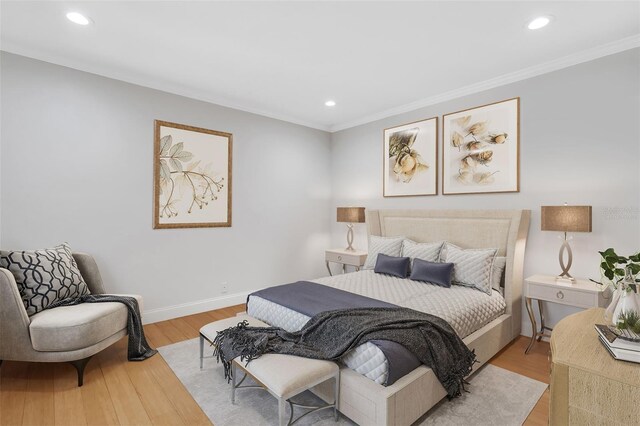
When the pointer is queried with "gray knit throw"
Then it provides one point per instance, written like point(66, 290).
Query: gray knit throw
point(330, 335)
point(138, 348)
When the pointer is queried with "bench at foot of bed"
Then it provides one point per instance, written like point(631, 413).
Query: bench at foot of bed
point(283, 376)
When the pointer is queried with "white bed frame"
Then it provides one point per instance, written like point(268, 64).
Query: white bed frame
point(404, 402)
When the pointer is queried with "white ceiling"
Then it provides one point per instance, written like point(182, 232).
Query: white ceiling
point(284, 59)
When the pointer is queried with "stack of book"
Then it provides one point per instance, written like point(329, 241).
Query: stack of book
point(618, 347)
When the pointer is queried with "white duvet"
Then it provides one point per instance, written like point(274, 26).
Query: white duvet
point(466, 309)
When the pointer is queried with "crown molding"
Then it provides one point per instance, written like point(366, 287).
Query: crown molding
point(523, 74)
point(151, 83)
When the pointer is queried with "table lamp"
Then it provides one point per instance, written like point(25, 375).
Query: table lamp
point(350, 215)
point(566, 219)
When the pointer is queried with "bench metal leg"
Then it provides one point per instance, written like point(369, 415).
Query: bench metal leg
point(282, 409)
point(336, 395)
point(201, 351)
point(233, 383)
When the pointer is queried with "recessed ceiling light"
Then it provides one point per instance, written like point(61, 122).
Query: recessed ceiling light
point(330, 103)
point(78, 18)
point(539, 22)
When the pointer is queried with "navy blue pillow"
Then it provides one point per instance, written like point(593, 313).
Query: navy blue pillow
point(392, 265)
point(436, 273)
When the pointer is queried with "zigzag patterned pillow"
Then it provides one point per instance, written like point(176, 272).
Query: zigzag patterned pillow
point(44, 276)
point(472, 267)
point(425, 251)
point(391, 246)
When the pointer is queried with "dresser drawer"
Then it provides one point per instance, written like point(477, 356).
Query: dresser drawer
point(345, 258)
point(564, 295)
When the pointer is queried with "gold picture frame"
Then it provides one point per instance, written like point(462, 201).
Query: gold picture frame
point(192, 176)
point(410, 159)
point(481, 149)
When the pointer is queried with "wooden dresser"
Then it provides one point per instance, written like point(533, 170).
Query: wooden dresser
point(589, 387)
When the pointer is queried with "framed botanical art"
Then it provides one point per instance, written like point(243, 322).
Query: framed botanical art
point(481, 149)
point(410, 159)
point(192, 177)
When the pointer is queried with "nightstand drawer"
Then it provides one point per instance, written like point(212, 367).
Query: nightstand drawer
point(565, 296)
point(345, 258)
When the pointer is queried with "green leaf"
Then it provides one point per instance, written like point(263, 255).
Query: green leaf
point(177, 165)
point(619, 271)
point(635, 268)
point(165, 144)
point(608, 273)
point(612, 260)
point(176, 149)
point(635, 257)
point(608, 252)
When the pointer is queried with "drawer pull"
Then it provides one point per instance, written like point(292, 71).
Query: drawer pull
point(339, 257)
point(560, 295)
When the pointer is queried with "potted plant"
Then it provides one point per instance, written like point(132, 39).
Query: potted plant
point(620, 273)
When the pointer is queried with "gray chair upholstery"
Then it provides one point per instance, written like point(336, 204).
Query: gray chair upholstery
point(64, 334)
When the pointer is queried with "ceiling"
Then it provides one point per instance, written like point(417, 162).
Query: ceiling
point(285, 59)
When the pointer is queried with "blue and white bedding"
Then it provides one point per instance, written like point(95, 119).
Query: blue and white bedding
point(466, 309)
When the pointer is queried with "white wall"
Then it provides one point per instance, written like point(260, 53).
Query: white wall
point(580, 143)
point(76, 166)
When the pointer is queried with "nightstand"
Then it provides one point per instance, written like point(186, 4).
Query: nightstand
point(353, 258)
point(545, 288)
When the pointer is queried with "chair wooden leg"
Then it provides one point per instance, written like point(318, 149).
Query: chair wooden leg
point(80, 365)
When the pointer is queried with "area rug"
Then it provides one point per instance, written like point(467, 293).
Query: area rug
point(496, 396)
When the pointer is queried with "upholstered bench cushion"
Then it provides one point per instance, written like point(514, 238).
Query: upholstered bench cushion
point(210, 330)
point(287, 375)
point(68, 328)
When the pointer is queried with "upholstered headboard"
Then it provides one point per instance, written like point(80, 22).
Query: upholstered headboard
point(505, 230)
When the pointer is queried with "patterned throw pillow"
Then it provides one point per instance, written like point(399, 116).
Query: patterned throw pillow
point(44, 276)
point(391, 246)
point(472, 267)
point(425, 251)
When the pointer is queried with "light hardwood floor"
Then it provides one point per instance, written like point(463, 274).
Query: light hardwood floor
point(139, 393)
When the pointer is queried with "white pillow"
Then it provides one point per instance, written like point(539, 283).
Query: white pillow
point(391, 246)
point(425, 251)
point(471, 267)
point(497, 272)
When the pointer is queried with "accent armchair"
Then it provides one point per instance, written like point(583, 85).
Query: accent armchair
point(63, 334)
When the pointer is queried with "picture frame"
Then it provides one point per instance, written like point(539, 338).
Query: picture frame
point(410, 159)
point(481, 149)
point(192, 176)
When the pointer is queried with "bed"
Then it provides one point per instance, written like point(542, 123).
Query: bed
point(485, 322)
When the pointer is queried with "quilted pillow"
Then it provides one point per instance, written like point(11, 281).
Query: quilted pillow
point(497, 272)
point(391, 265)
point(425, 251)
point(472, 267)
point(391, 246)
point(44, 276)
point(432, 272)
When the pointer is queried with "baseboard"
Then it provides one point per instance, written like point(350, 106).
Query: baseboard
point(190, 308)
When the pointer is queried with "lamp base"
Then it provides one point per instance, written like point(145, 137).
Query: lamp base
point(350, 238)
point(565, 280)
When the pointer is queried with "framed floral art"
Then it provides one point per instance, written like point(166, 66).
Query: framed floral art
point(410, 153)
point(481, 149)
point(192, 177)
